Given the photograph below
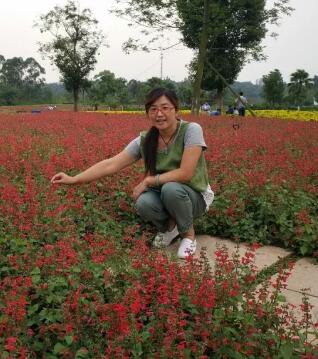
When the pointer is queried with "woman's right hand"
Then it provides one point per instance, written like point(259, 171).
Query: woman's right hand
point(62, 178)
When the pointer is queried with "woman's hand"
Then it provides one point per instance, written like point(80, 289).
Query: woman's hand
point(139, 189)
point(63, 179)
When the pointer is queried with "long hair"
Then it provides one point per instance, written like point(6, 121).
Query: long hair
point(151, 139)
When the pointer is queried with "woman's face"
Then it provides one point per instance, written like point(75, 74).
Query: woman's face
point(162, 113)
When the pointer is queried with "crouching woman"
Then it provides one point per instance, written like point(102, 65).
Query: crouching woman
point(175, 189)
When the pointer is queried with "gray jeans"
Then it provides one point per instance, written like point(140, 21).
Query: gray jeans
point(172, 200)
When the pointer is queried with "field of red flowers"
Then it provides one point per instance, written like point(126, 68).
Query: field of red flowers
point(77, 279)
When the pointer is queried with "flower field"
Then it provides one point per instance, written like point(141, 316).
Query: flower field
point(77, 278)
point(289, 114)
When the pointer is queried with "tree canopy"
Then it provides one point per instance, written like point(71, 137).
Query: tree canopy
point(20, 78)
point(74, 44)
point(299, 85)
point(203, 23)
point(274, 88)
point(106, 88)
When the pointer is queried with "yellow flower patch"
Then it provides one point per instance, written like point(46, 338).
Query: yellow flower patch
point(288, 114)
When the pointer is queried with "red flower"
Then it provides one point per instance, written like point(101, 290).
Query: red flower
point(10, 344)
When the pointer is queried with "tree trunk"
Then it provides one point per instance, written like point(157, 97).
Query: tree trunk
point(219, 98)
point(75, 97)
point(201, 59)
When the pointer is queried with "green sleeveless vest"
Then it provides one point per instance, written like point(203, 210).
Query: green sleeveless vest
point(170, 160)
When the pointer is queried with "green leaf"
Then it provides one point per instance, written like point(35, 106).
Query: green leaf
point(81, 353)
point(33, 309)
point(308, 229)
point(145, 336)
point(304, 249)
point(36, 275)
point(281, 298)
point(38, 346)
point(286, 351)
point(231, 331)
point(69, 339)
point(59, 348)
point(137, 351)
point(36, 271)
point(76, 269)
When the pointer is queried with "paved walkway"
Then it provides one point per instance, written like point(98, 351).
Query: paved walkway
point(304, 275)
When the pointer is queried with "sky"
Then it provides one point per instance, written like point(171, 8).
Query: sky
point(295, 48)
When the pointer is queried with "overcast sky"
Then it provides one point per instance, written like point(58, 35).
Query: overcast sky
point(295, 48)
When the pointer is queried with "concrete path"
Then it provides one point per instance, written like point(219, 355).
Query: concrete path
point(304, 275)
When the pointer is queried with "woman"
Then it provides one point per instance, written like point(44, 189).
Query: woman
point(175, 189)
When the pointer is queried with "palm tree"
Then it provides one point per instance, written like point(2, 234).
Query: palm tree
point(299, 85)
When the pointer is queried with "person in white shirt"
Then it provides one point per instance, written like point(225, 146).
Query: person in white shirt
point(206, 107)
point(240, 104)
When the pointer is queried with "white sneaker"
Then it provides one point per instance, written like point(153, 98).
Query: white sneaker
point(187, 248)
point(164, 239)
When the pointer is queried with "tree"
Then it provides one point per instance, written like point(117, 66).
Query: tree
point(9, 95)
point(273, 87)
point(32, 80)
point(74, 45)
point(106, 88)
point(12, 72)
point(201, 22)
point(299, 85)
point(184, 91)
point(20, 78)
point(137, 91)
point(32, 72)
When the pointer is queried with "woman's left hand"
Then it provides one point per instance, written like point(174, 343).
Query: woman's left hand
point(139, 189)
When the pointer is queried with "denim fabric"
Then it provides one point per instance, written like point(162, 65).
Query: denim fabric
point(173, 200)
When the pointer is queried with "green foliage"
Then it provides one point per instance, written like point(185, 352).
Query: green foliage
point(298, 87)
point(108, 90)
point(74, 46)
point(105, 88)
point(20, 79)
point(278, 216)
point(216, 30)
point(273, 88)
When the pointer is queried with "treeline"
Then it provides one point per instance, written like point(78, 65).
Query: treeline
point(300, 91)
point(22, 82)
point(107, 90)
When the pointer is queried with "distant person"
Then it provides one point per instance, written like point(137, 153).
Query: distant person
point(241, 103)
point(230, 110)
point(217, 112)
point(206, 107)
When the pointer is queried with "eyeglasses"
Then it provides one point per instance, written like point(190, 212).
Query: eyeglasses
point(153, 110)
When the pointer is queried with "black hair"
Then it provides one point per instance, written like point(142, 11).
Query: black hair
point(151, 140)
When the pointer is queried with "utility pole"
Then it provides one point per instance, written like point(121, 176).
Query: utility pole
point(161, 49)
